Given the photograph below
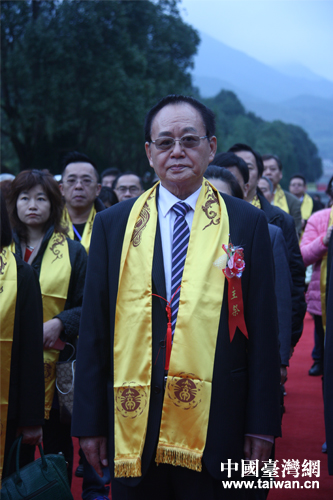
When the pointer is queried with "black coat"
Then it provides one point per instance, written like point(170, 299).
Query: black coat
point(328, 360)
point(70, 316)
point(26, 388)
point(245, 389)
point(279, 218)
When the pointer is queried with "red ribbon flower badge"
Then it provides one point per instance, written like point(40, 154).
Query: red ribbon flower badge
point(233, 272)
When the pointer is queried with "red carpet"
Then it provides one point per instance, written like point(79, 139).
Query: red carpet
point(302, 427)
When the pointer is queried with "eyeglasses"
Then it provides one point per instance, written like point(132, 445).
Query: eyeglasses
point(73, 181)
point(187, 141)
point(131, 189)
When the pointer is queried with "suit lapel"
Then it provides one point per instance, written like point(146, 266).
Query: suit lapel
point(158, 265)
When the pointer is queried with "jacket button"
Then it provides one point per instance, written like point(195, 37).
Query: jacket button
point(157, 390)
point(162, 344)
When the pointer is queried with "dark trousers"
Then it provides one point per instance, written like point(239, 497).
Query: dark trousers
point(57, 438)
point(319, 335)
point(167, 482)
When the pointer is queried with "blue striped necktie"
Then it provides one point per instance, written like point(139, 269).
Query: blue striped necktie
point(181, 237)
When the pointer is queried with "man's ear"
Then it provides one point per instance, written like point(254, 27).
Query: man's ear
point(61, 188)
point(213, 148)
point(148, 153)
point(99, 187)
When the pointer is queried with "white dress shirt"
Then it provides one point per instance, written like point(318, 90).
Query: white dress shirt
point(166, 218)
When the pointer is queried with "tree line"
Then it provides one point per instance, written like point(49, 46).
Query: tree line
point(82, 75)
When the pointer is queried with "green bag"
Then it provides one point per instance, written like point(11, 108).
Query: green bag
point(44, 479)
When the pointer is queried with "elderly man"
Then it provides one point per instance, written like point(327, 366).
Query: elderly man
point(80, 188)
point(194, 386)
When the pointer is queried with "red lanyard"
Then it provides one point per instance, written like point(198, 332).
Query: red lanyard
point(168, 343)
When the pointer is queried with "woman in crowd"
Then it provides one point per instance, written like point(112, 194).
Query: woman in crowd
point(21, 348)
point(314, 245)
point(36, 208)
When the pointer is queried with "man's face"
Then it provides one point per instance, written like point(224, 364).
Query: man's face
point(272, 171)
point(108, 180)
point(264, 186)
point(180, 169)
point(236, 173)
point(250, 161)
point(128, 186)
point(79, 185)
point(297, 187)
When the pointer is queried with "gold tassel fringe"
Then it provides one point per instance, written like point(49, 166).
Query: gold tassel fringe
point(127, 468)
point(183, 458)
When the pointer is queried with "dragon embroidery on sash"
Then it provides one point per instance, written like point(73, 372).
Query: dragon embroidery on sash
point(141, 223)
point(207, 207)
point(2, 263)
point(58, 239)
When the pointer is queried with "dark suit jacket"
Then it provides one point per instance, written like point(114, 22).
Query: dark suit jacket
point(279, 218)
point(282, 290)
point(245, 389)
point(328, 360)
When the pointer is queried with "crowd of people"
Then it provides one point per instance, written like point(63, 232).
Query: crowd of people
point(182, 303)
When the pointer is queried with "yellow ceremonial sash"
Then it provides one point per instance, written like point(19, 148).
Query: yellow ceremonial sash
point(323, 279)
point(54, 279)
point(86, 236)
point(306, 207)
point(256, 202)
point(188, 390)
point(280, 199)
point(8, 294)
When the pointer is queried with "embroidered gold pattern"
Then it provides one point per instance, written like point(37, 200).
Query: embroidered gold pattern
point(131, 400)
point(58, 240)
point(141, 223)
point(256, 202)
point(184, 390)
point(2, 263)
point(208, 209)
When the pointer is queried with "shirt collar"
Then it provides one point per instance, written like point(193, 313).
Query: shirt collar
point(166, 200)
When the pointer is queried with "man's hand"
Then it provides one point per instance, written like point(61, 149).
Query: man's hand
point(31, 434)
point(51, 332)
point(257, 449)
point(283, 374)
point(95, 450)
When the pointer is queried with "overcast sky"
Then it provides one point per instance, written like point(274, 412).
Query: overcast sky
point(273, 31)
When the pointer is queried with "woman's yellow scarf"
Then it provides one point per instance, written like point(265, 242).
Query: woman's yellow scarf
point(188, 389)
point(323, 279)
point(86, 236)
point(280, 199)
point(54, 279)
point(8, 295)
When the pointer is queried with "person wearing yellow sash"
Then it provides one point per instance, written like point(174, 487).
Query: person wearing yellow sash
point(177, 398)
point(80, 188)
point(40, 240)
point(297, 187)
point(282, 199)
point(21, 351)
point(277, 217)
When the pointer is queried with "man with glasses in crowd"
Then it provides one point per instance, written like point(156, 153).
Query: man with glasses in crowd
point(80, 188)
point(179, 386)
point(127, 185)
